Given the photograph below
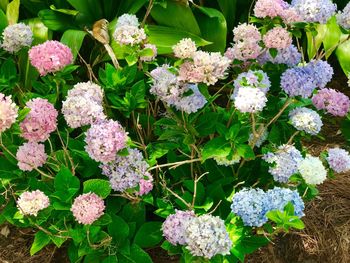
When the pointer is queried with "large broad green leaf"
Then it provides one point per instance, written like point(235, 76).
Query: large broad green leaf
point(217, 147)
point(149, 235)
point(56, 21)
point(40, 241)
point(332, 36)
point(166, 37)
point(89, 10)
point(12, 12)
point(228, 9)
point(3, 4)
point(176, 14)
point(73, 39)
point(130, 6)
point(98, 186)
point(343, 55)
point(213, 27)
point(314, 40)
point(3, 21)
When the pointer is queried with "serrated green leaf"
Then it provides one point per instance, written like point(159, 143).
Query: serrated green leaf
point(217, 147)
point(152, 231)
point(98, 186)
point(40, 241)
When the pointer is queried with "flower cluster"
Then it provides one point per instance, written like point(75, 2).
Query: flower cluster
point(87, 208)
point(312, 170)
point(40, 121)
point(147, 57)
point(250, 100)
point(343, 18)
point(8, 112)
point(185, 48)
point(30, 203)
point(307, 120)
point(253, 79)
point(127, 31)
point(190, 103)
point(289, 56)
point(338, 160)
point(75, 110)
point(16, 36)
point(126, 172)
point(260, 140)
point(175, 225)
point(284, 162)
point(104, 139)
point(145, 185)
point(278, 37)
point(31, 155)
point(314, 10)
point(332, 101)
point(273, 8)
point(50, 57)
point(321, 71)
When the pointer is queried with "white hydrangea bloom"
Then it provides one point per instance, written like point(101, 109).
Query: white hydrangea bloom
point(250, 100)
point(307, 120)
point(185, 48)
point(129, 35)
point(312, 170)
point(128, 20)
point(30, 203)
point(16, 36)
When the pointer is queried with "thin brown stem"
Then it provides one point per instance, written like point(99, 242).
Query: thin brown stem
point(175, 164)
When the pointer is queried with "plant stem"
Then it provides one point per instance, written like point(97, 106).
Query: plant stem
point(175, 164)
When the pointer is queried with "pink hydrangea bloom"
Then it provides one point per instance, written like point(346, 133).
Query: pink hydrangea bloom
point(332, 101)
point(246, 32)
point(277, 37)
point(50, 57)
point(104, 139)
point(290, 15)
point(40, 121)
point(30, 203)
point(87, 89)
point(269, 8)
point(31, 155)
point(154, 50)
point(229, 53)
point(8, 112)
point(146, 186)
point(87, 208)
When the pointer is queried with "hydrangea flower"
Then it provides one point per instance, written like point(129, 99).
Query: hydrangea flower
point(290, 15)
point(229, 53)
point(260, 140)
point(289, 56)
point(253, 79)
point(225, 161)
point(332, 101)
point(87, 208)
point(250, 100)
point(321, 71)
point(206, 67)
point(277, 37)
point(312, 170)
point(343, 18)
point(307, 120)
point(8, 112)
point(127, 20)
point(269, 8)
point(104, 139)
point(279, 197)
point(154, 53)
point(245, 32)
point(126, 172)
point(88, 89)
point(175, 225)
point(16, 36)
point(30, 203)
point(31, 155)
point(315, 10)
point(285, 162)
point(191, 103)
point(251, 205)
point(50, 57)
point(206, 236)
point(129, 35)
point(145, 186)
point(338, 160)
point(185, 48)
point(40, 121)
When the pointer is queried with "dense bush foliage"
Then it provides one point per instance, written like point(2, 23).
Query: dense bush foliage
point(163, 127)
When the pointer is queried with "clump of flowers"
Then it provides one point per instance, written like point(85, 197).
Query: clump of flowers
point(104, 139)
point(127, 20)
point(127, 31)
point(284, 162)
point(15, 37)
point(87, 208)
point(206, 236)
point(175, 225)
point(315, 10)
point(307, 120)
point(250, 100)
point(253, 79)
point(31, 203)
point(312, 170)
point(338, 160)
point(50, 57)
point(145, 185)
point(332, 101)
point(269, 8)
point(191, 103)
point(260, 140)
point(126, 172)
point(87, 89)
point(40, 121)
point(277, 37)
point(8, 112)
point(321, 71)
point(148, 58)
point(289, 56)
point(343, 18)
point(185, 48)
point(31, 155)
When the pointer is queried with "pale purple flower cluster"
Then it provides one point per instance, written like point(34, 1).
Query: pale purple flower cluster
point(253, 79)
point(278, 37)
point(312, 170)
point(175, 225)
point(185, 48)
point(8, 112)
point(338, 160)
point(104, 139)
point(87, 208)
point(15, 37)
point(30, 203)
point(318, 11)
point(83, 105)
point(343, 18)
point(321, 71)
point(284, 162)
point(307, 120)
point(40, 121)
point(191, 103)
point(50, 57)
point(126, 172)
point(250, 100)
point(146, 186)
point(332, 101)
point(148, 58)
point(289, 56)
point(31, 155)
point(128, 32)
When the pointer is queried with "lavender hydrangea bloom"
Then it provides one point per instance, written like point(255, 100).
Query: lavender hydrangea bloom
point(332, 101)
point(251, 205)
point(321, 71)
point(289, 56)
point(315, 10)
point(191, 103)
point(285, 162)
point(307, 120)
point(253, 79)
point(339, 160)
point(343, 18)
point(16, 36)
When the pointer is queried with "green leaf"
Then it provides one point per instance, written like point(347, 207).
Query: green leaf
point(149, 234)
point(245, 151)
point(3, 5)
point(273, 52)
point(274, 216)
point(65, 180)
point(12, 12)
point(166, 37)
point(118, 229)
point(314, 41)
point(139, 255)
point(64, 11)
point(98, 186)
point(3, 21)
point(332, 36)
point(289, 209)
point(296, 223)
point(217, 147)
point(228, 8)
point(73, 39)
point(40, 241)
point(56, 21)
point(343, 55)
point(90, 10)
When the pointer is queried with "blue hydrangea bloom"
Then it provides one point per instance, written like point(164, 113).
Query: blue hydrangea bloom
point(321, 71)
point(315, 10)
point(289, 56)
